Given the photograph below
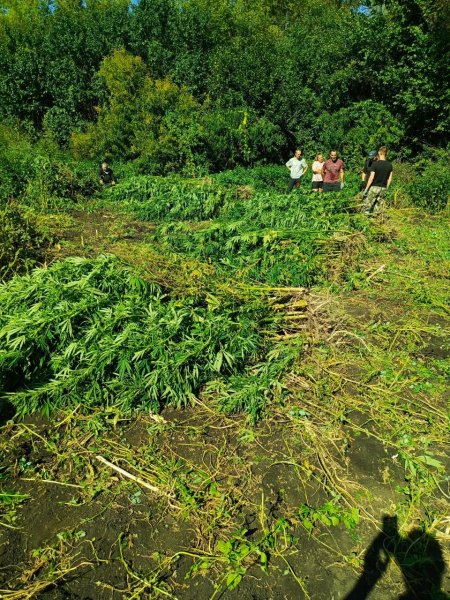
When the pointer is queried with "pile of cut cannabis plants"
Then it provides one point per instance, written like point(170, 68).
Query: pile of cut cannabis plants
point(91, 332)
point(272, 238)
point(157, 199)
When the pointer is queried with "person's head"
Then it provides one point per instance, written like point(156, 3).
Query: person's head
point(372, 154)
point(104, 165)
point(319, 157)
point(333, 155)
point(298, 153)
point(382, 151)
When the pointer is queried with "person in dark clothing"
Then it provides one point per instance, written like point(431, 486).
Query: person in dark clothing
point(106, 175)
point(366, 169)
point(377, 185)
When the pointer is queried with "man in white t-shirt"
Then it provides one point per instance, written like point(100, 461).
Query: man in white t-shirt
point(297, 167)
point(317, 179)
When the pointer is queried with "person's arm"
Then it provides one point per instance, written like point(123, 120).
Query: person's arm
point(369, 182)
point(289, 164)
point(305, 168)
point(324, 168)
point(389, 181)
point(342, 174)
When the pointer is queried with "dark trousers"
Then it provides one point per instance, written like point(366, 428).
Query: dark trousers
point(293, 183)
point(332, 187)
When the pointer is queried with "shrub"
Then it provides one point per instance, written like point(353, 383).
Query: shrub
point(430, 189)
point(358, 128)
point(51, 182)
point(22, 244)
point(58, 122)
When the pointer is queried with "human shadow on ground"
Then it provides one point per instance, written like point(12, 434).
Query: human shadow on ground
point(418, 556)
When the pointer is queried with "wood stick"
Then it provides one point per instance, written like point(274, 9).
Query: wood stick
point(129, 475)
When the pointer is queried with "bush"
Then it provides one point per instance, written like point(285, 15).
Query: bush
point(357, 129)
point(40, 175)
point(59, 124)
point(15, 150)
point(430, 189)
point(52, 182)
point(22, 244)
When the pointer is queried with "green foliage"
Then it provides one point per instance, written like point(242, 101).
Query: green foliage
point(40, 175)
point(139, 117)
point(431, 188)
point(156, 198)
point(250, 392)
point(260, 178)
point(22, 244)
point(239, 552)
point(195, 85)
point(91, 332)
point(9, 500)
point(358, 128)
point(329, 514)
point(275, 239)
point(51, 182)
point(58, 122)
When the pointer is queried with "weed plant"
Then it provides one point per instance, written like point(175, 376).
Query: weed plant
point(271, 177)
point(272, 238)
point(158, 199)
point(92, 332)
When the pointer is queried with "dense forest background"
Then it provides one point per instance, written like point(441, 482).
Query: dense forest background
point(200, 86)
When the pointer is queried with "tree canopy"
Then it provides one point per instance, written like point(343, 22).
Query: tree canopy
point(152, 78)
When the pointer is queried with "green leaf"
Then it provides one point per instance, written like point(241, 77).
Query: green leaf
point(233, 579)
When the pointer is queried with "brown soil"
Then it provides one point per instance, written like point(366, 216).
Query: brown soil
point(123, 531)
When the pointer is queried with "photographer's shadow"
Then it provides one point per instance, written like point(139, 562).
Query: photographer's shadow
point(418, 556)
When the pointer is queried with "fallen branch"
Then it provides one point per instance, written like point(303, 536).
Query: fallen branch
point(130, 476)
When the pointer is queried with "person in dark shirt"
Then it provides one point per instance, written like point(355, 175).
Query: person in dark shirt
point(377, 185)
point(366, 169)
point(106, 175)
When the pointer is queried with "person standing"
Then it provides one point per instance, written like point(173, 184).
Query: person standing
point(297, 167)
point(380, 178)
point(317, 179)
point(106, 175)
point(333, 173)
point(366, 169)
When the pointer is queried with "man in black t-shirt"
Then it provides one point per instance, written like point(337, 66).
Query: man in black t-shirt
point(380, 179)
point(105, 175)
